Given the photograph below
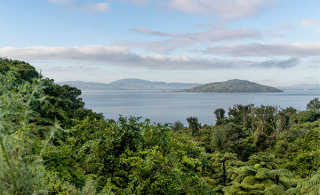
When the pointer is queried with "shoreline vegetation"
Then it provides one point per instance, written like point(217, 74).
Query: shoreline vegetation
point(51, 144)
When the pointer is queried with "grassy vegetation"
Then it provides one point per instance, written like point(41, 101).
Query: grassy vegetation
point(51, 144)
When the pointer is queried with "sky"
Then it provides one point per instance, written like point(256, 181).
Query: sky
point(271, 42)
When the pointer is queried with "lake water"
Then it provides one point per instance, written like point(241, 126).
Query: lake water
point(161, 107)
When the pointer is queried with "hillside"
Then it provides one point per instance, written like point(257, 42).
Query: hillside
point(234, 86)
point(51, 144)
point(134, 84)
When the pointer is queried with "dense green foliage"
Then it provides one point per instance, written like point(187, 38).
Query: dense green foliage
point(51, 144)
point(233, 86)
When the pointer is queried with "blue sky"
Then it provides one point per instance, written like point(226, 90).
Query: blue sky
point(273, 42)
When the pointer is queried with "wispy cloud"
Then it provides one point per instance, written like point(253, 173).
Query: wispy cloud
point(267, 50)
point(311, 23)
point(154, 33)
point(118, 56)
point(289, 63)
point(218, 34)
point(139, 2)
point(228, 9)
point(175, 41)
point(83, 6)
point(73, 68)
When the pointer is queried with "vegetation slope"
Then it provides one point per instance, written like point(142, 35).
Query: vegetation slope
point(51, 144)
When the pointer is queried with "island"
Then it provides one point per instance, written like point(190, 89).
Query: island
point(234, 86)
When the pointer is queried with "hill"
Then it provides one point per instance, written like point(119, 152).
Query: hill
point(233, 86)
point(134, 84)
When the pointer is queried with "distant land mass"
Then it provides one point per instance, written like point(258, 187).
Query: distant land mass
point(128, 84)
point(234, 86)
point(302, 86)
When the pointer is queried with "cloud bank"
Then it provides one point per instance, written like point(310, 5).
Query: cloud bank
point(267, 50)
point(118, 56)
point(175, 41)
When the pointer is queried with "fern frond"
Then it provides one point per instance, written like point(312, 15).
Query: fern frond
point(263, 173)
point(275, 190)
point(250, 180)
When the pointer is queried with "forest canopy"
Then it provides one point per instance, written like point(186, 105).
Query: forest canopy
point(51, 144)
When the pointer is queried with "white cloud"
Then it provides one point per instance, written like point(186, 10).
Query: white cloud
point(310, 23)
point(115, 56)
point(223, 8)
point(139, 2)
point(83, 6)
point(227, 9)
point(94, 7)
point(177, 40)
point(64, 2)
point(268, 50)
point(118, 56)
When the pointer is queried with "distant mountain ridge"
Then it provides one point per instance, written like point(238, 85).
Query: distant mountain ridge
point(302, 86)
point(234, 86)
point(130, 83)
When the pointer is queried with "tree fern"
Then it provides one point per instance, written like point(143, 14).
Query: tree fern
point(258, 179)
point(274, 190)
point(310, 185)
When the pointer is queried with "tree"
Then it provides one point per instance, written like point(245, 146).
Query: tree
point(220, 160)
point(177, 126)
point(241, 115)
point(314, 105)
point(283, 119)
point(219, 113)
point(231, 138)
point(264, 119)
point(194, 125)
point(305, 116)
point(23, 71)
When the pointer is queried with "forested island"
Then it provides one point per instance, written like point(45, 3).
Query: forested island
point(51, 144)
point(234, 86)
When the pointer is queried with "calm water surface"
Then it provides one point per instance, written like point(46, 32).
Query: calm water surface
point(169, 107)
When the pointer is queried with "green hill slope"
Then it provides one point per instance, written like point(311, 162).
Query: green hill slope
point(134, 84)
point(233, 86)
